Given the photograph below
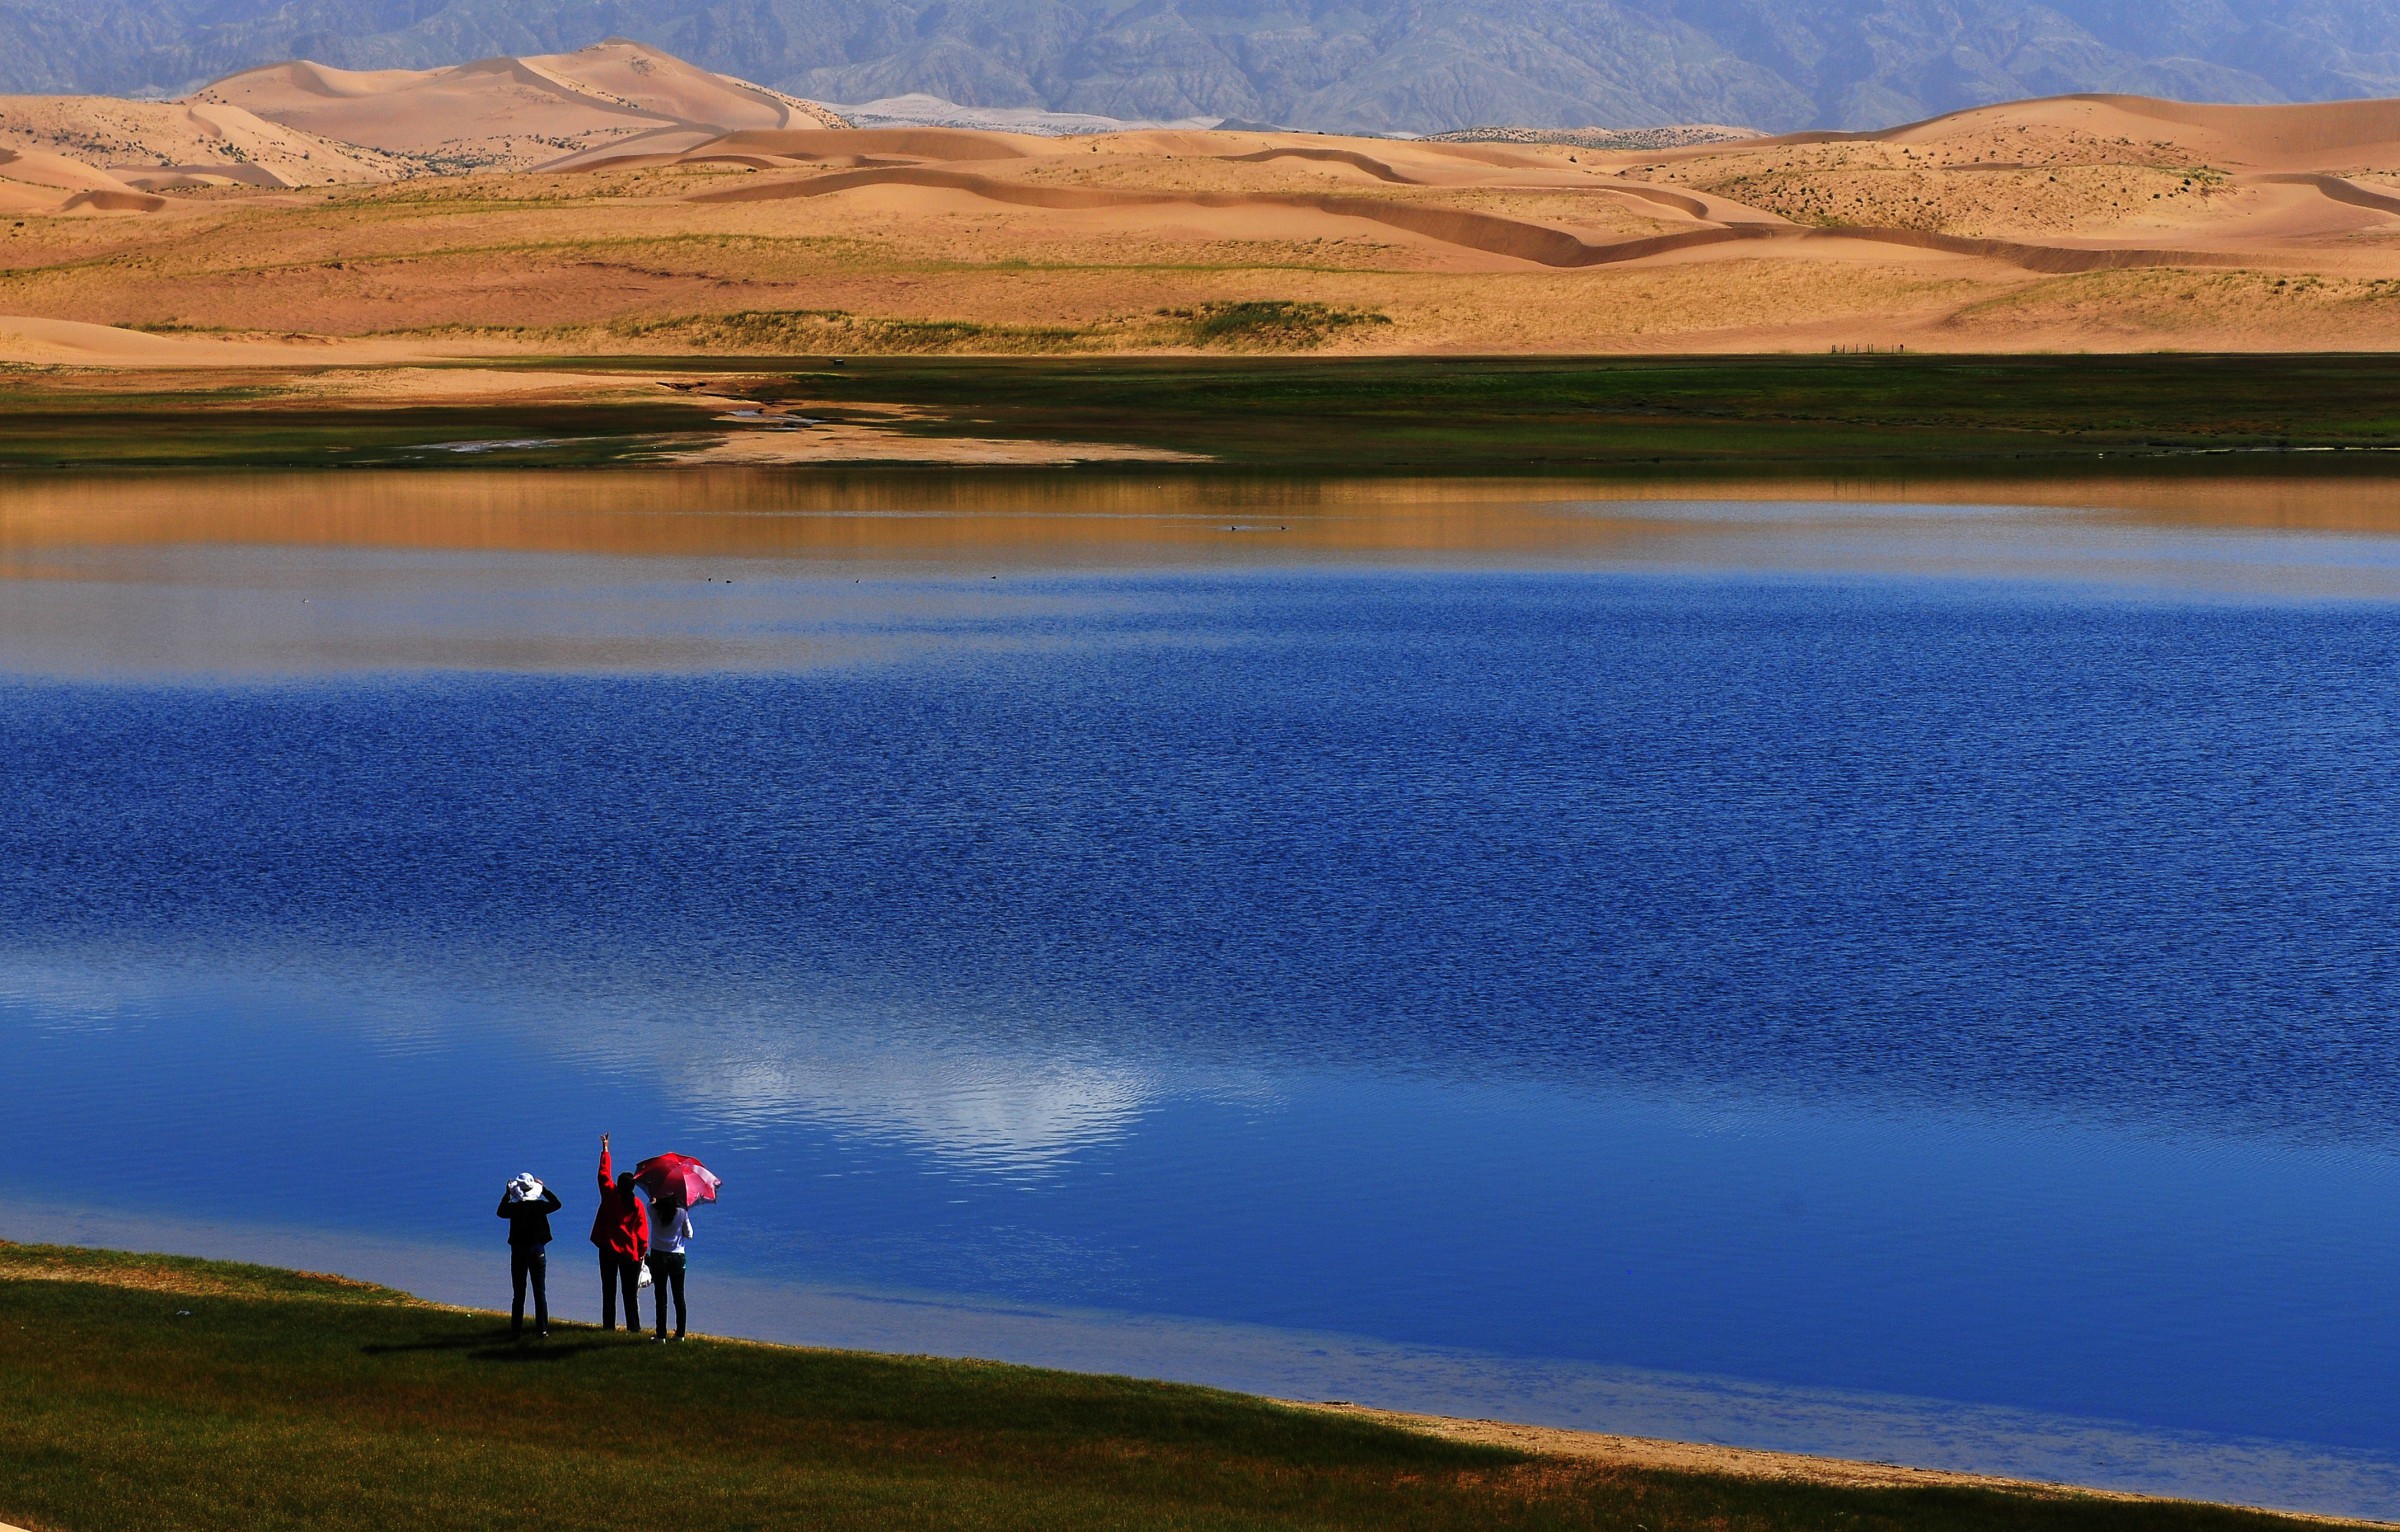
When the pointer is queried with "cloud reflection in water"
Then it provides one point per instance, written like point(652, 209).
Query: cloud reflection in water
point(971, 1108)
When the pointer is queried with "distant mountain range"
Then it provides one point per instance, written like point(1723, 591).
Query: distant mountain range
point(1375, 65)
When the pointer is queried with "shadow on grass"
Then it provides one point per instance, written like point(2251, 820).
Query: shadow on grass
point(500, 1346)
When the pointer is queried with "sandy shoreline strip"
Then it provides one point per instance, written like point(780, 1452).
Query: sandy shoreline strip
point(1742, 1462)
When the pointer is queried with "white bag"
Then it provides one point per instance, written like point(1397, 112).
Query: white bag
point(644, 1279)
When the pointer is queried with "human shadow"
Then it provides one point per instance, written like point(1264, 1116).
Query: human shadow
point(500, 1346)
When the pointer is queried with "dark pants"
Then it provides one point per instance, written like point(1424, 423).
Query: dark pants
point(529, 1263)
point(617, 1272)
point(666, 1270)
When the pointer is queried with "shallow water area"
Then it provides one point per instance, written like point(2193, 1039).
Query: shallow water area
point(1900, 970)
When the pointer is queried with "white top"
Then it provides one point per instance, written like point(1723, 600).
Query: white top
point(668, 1235)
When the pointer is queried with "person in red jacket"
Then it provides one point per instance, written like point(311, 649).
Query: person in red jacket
point(622, 1231)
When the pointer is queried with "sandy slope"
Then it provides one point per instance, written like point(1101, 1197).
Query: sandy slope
point(70, 343)
point(516, 112)
point(54, 172)
point(2079, 222)
point(129, 149)
point(2295, 137)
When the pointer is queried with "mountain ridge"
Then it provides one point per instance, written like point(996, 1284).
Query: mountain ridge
point(1353, 65)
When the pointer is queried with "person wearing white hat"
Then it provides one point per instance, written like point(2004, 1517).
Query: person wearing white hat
point(527, 1205)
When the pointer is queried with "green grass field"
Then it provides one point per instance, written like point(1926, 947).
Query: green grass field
point(1915, 415)
point(152, 1393)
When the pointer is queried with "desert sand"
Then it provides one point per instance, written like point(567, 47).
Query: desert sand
point(619, 201)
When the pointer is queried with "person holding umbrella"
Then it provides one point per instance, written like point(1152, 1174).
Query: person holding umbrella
point(527, 1205)
point(622, 1231)
point(674, 1182)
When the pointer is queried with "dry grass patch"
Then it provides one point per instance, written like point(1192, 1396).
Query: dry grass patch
point(1239, 325)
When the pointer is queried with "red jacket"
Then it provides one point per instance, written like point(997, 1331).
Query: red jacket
point(622, 1226)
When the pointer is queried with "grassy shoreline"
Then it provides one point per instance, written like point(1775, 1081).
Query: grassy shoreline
point(165, 1392)
point(1636, 416)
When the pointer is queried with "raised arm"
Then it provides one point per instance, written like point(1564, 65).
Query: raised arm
point(550, 1202)
point(606, 1179)
point(502, 1210)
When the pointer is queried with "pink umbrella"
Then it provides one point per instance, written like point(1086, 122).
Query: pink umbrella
point(677, 1178)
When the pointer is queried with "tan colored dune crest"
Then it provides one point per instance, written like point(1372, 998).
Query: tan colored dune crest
point(517, 113)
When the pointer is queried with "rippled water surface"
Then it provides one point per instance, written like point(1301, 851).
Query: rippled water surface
point(1874, 956)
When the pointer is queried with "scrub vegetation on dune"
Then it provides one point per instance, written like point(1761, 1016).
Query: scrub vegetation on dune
point(1886, 191)
point(1269, 325)
point(773, 331)
point(1244, 325)
point(151, 1391)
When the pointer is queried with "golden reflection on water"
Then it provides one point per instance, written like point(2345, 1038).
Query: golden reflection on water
point(624, 571)
point(906, 517)
point(1067, 518)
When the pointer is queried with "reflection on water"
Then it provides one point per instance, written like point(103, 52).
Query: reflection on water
point(748, 570)
point(1053, 518)
point(1936, 952)
point(1056, 520)
point(970, 1106)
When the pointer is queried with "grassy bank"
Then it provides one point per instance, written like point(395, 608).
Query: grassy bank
point(48, 423)
point(1915, 415)
point(1920, 414)
point(152, 1392)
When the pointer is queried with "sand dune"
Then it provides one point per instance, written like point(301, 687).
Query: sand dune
point(1719, 220)
point(34, 182)
point(32, 167)
point(126, 148)
point(666, 208)
point(774, 148)
point(2337, 189)
point(1475, 231)
point(517, 113)
point(2283, 137)
point(2186, 183)
point(1516, 238)
point(72, 343)
point(56, 341)
point(1351, 157)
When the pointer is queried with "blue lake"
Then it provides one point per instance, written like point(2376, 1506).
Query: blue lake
point(1797, 971)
